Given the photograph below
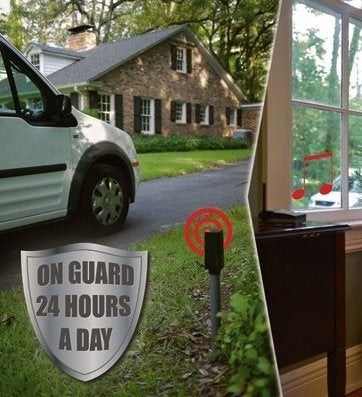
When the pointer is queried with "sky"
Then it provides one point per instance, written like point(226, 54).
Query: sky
point(4, 5)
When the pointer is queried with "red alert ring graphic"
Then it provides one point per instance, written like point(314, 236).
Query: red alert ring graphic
point(202, 220)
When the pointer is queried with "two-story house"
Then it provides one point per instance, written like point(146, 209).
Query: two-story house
point(162, 82)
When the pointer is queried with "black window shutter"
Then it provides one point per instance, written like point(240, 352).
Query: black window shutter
point(173, 56)
point(74, 99)
point(93, 100)
point(173, 111)
point(211, 114)
point(239, 117)
point(228, 114)
point(189, 60)
point(197, 113)
point(158, 116)
point(188, 112)
point(118, 103)
point(137, 114)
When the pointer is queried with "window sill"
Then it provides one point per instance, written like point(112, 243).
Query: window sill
point(354, 237)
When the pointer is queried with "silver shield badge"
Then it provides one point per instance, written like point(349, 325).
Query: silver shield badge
point(84, 302)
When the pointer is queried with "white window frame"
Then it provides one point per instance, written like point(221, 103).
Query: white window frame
point(106, 108)
point(35, 60)
point(181, 59)
point(180, 112)
point(204, 114)
point(233, 116)
point(147, 117)
point(277, 120)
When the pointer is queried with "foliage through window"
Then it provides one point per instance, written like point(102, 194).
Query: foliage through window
point(326, 107)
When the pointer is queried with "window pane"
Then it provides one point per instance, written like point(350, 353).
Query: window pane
point(6, 99)
point(180, 112)
point(316, 61)
point(180, 59)
point(146, 115)
point(355, 162)
point(105, 108)
point(316, 158)
point(29, 94)
point(355, 67)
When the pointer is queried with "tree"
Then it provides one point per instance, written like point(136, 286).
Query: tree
point(240, 35)
point(238, 32)
point(100, 14)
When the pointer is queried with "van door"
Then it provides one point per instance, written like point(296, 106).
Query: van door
point(35, 150)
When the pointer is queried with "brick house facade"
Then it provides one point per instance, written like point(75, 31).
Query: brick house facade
point(162, 82)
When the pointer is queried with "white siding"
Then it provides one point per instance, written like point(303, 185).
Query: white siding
point(50, 63)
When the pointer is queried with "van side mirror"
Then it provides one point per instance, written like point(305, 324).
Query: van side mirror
point(64, 105)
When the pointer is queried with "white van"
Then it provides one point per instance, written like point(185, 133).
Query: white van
point(54, 160)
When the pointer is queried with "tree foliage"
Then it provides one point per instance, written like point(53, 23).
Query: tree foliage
point(238, 32)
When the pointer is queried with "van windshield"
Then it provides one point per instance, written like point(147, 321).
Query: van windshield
point(6, 98)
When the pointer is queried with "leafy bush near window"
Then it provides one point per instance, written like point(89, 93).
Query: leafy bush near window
point(92, 112)
point(155, 144)
point(243, 338)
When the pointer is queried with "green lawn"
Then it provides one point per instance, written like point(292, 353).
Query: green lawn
point(157, 165)
point(169, 355)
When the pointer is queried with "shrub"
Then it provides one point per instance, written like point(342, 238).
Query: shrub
point(245, 343)
point(243, 338)
point(158, 143)
point(91, 112)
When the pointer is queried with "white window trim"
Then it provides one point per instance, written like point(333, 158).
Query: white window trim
point(276, 132)
point(184, 60)
point(151, 131)
point(35, 54)
point(206, 121)
point(112, 107)
point(183, 119)
point(233, 116)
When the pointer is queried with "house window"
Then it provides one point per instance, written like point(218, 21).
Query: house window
point(147, 111)
point(204, 114)
point(147, 115)
point(180, 112)
point(35, 60)
point(233, 116)
point(181, 59)
point(105, 108)
point(325, 112)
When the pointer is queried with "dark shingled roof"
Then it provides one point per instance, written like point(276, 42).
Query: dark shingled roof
point(106, 57)
point(58, 51)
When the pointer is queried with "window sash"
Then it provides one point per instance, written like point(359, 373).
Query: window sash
point(180, 112)
point(204, 114)
point(147, 116)
point(35, 60)
point(278, 193)
point(181, 59)
point(105, 110)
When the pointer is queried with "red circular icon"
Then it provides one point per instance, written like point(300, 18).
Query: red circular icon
point(202, 220)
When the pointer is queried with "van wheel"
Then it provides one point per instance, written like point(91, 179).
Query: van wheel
point(104, 199)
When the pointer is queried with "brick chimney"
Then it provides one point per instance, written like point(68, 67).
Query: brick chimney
point(81, 38)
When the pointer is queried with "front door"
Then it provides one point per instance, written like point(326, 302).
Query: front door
point(35, 154)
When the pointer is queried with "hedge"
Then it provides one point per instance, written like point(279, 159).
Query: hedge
point(157, 143)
